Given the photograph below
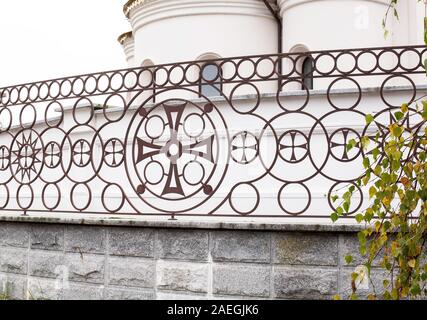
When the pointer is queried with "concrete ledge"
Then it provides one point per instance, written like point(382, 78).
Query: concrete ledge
point(204, 223)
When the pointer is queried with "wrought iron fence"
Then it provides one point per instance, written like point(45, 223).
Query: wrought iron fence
point(172, 139)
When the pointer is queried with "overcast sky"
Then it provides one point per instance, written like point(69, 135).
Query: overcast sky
point(42, 39)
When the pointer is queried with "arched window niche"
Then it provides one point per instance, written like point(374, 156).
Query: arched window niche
point(210, 77)
point(307, 73)
point(304, 66)
point(147, 80)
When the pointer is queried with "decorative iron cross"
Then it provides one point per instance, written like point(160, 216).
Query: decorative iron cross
point(79, 151)
point(346, 155)
point(294, 146)
point(52, 155)
point(174, 149)
point(245, 158)
point(114, 148)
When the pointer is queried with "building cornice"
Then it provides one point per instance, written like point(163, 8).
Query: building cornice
point(288, 4)
point(127, 42)
point(124, 37)
point(156, 10)
point(133, 4)
point(202, 223)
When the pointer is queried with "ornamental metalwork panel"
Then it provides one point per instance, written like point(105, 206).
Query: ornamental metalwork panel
point(146, 141)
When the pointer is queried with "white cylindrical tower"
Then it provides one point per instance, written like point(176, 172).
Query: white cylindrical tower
point(409, 28)
point(169, 31)
point(127, 42)
point(186, 30)
point(333, 24)
point(312, 25)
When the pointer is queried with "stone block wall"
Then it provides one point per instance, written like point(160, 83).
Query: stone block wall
point(173, 261)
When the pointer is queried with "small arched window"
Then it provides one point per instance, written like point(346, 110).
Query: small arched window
point(210, 80)
point(307, 73)
point(147, 78)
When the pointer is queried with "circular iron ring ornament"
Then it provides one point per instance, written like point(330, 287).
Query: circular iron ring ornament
point(272, 161)
point(26, 159)
point(307, 198)
point(344, 186)
point(175, 152)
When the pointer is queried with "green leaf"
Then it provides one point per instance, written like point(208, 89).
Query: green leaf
point(359, 218)
point(386, 283)
point(394, 294)
point(425, 30)
point(346, 206)
point(386, 32)
point(362, 238)
point(334, 217)
point(365, 142)
point(399, 115)
point(349, 259)
point(395, 13)
point(351, 144)
point(397, 131)
point(372, 192)
point(376, 153)
point(366, 163)
point(416, 289)
point(369, 118)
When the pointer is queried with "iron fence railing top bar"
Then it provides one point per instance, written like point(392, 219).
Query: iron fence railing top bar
point(125, 80)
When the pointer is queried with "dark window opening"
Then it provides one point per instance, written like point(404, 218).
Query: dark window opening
point(210, 80)
point(307, 73)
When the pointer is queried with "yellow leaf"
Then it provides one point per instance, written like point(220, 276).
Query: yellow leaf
point(404, 108)
point(411, 263)
point(386, 201)
point(372, 297)
point(372, 192)
point(377, 226)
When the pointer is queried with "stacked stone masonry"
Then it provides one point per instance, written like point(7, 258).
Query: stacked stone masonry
point(54, 261)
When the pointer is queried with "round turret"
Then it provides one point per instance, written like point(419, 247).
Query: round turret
point(186, 30)
point(343, 24)
point(127, 42)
